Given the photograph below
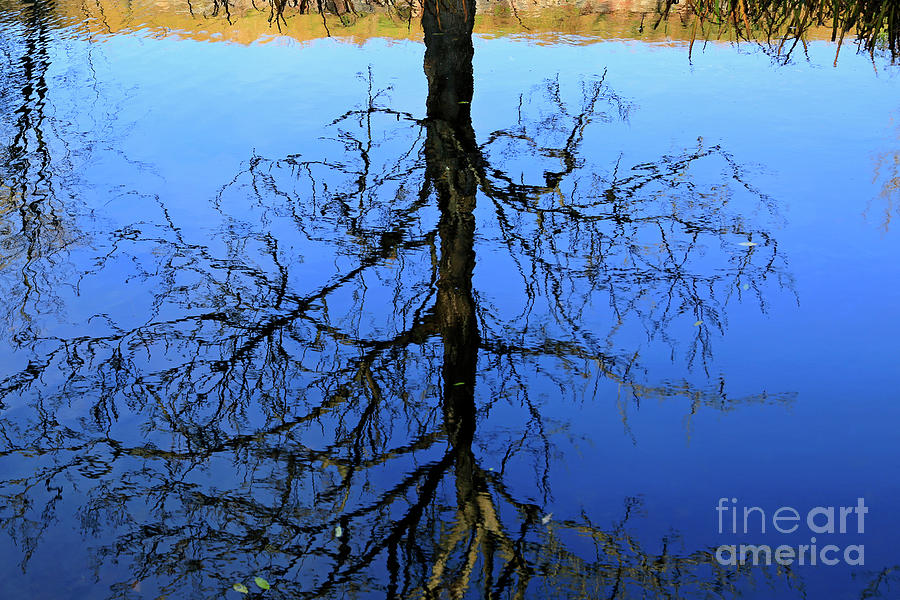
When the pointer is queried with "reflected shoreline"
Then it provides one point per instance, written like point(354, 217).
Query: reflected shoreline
point(569, 24)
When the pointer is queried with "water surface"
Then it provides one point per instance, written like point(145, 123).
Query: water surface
point(506, 325)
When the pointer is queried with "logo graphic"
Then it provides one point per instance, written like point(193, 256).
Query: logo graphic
point(786, 520)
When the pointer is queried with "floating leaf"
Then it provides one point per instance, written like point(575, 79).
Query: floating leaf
point(546, 518)
point(746, 286)
point(240, 587)
point(261, 583)
point(338, 532)
point(698, 323)
point(748, 244)
point(459, 383)
point(464, 102)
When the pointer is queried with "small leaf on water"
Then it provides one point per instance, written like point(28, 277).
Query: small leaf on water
point(748, 244)
point(491, 469)
point(459, 383)
point(338, 532)
point(746, 286)
point(546, 518)
point(240, 587)
point(464, 102)
point(698, 323)
point(261, 583)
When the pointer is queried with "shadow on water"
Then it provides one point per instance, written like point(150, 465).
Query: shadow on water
point(340, 438)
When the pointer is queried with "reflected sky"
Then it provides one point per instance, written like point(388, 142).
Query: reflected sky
point(256, 293)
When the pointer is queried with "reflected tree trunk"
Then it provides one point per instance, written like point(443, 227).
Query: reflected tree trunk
point(32, 69)
point(450, 152)
point(28, 179)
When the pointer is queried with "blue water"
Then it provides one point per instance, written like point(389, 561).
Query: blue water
point(224, 355)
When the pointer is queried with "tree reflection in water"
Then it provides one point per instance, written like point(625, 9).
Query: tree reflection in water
point(33, 222)
point(335, 436)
